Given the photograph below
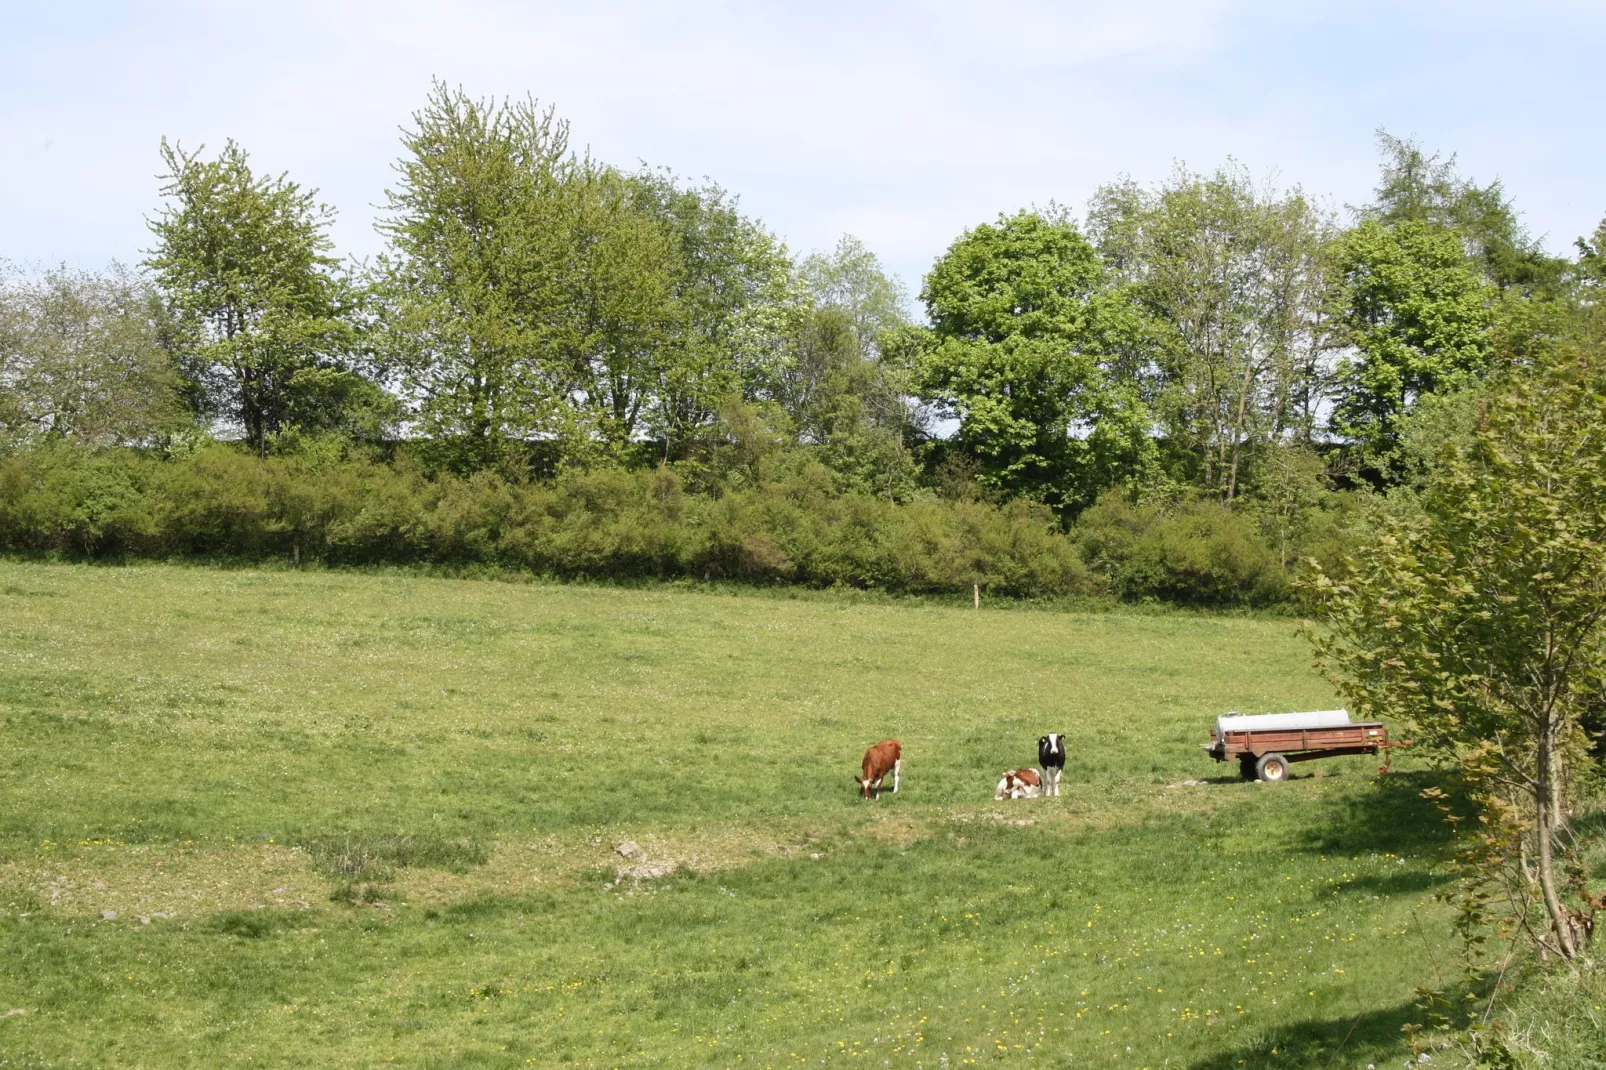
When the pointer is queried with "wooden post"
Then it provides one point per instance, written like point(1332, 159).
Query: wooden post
point(975, 594)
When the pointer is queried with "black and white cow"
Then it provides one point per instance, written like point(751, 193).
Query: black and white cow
point(1051, 756)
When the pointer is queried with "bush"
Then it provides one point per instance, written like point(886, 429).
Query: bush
point(322, 500)
point(1203, 552)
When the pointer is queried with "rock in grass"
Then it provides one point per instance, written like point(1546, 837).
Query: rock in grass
point(109, 915)
point(630, 849)
point(646, 871)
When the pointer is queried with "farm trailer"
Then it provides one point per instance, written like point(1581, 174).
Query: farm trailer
point(1265, 744)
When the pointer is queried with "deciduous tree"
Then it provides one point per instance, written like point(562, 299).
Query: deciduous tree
point(1479, 623)
point(1022, 322)
point(1230, 274)
point(82, 357)
point(266, 323)
point(481, 243)
point(1418, 318)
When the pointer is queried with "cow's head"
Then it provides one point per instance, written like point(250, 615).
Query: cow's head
point(1054, 743)
point(864, 786)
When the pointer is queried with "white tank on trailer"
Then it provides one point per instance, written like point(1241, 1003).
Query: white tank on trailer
point(1280, 722)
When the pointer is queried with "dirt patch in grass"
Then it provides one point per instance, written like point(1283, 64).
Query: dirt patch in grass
point(147, 881)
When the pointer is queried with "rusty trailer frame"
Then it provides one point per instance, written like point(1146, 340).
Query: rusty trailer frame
point(1266, 754)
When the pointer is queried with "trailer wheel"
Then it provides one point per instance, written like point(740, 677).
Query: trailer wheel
point(1272, 768)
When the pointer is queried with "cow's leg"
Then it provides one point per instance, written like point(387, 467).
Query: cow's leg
point(1059, 771)
point(897, 768)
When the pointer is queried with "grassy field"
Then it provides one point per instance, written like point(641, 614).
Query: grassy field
point(300, 819)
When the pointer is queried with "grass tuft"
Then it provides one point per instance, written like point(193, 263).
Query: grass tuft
point(354, 856)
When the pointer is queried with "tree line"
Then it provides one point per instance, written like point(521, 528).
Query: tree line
point(1197, 384)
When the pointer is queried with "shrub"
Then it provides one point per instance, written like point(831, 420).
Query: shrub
point(1201, 552)
point(321, 500)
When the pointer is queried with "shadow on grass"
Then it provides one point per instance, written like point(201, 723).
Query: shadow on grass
point(256, 924)
point(1319, 1044)
point(1392, 817)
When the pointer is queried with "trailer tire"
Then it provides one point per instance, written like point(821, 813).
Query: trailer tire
point(1272, 768)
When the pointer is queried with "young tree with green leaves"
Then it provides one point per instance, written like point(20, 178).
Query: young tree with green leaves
point(266, 324)
point(1480, 622)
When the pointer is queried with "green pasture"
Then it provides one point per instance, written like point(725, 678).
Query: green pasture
point(289, 818)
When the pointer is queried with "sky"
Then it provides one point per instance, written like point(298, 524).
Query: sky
point(900, 123)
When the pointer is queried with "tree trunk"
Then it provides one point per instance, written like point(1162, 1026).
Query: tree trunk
point(1545, 827)
point(1238, 426)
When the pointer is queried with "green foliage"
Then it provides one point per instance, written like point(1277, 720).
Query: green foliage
point(1420, 187)
point(1020, 322)
point(1420, 318)
point(473, 288)
point(1479, 622)
point(1439, 427)
point(846, 379)
point(265, 324)
point(851, 279)
point(733, 302)
point(1592, 255)
point(1228, 276)
point(1203, 552)
point(534, 294)
point(81, 357)
point(325, 501)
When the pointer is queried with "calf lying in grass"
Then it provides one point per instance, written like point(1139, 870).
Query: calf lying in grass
point(1019, 784)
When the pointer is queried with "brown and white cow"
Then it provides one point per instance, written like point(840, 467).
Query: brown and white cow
point(1019, 784)
point(883, 758)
